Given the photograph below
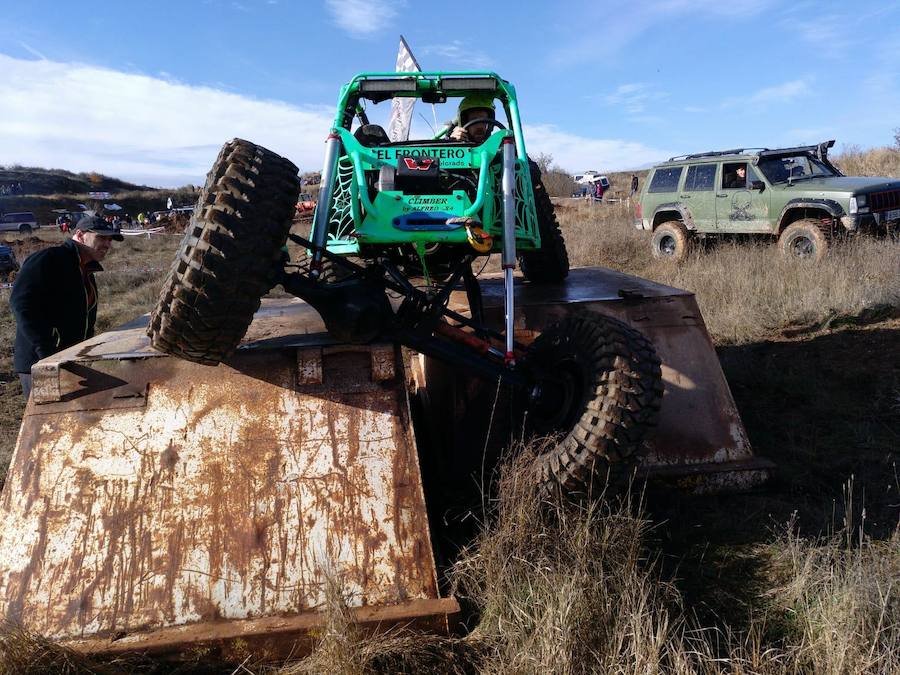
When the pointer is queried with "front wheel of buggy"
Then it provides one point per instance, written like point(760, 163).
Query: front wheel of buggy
point(550, 263)
point(230, 255)
point(598, 397)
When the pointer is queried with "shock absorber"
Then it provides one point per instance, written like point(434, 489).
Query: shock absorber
point(508, 258)
point(323, 207)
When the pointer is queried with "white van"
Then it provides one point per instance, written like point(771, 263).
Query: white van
point(23, 222)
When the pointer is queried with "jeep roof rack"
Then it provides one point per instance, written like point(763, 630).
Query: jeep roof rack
point(717, 153)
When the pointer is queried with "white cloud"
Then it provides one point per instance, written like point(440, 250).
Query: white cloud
point(780, 93)
point(31, 50)
point(606, 28)
point(633, 97)
point(577, 153)
point(138, 127)
point(362, 18)
point(458, 55)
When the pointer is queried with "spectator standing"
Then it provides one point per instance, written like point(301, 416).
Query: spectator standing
point(54, 296)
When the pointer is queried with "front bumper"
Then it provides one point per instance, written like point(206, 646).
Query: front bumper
point(864, 222)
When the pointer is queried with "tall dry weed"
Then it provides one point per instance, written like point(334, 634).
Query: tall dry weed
point(745, 290)
point(567, 588)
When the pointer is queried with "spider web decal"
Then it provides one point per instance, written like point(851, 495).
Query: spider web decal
point(526, 215)
point(340, 222)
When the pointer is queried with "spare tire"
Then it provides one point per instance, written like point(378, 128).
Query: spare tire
point(230, 255)
point(600, 390)
point(550, 262)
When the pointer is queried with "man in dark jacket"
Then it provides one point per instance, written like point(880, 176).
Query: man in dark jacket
point(54, 297)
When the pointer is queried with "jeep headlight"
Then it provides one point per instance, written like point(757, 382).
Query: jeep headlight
point(858, 204)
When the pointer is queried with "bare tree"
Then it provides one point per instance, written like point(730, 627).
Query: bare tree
point(544, 161)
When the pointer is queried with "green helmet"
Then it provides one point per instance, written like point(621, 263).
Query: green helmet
point(479, 100)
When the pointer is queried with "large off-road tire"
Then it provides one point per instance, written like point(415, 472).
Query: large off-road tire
point(230, 255)
point(671, 241)
point(805, 240)
point(550, 263)
point(601, 389)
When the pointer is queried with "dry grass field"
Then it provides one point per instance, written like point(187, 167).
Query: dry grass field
point(802, 576)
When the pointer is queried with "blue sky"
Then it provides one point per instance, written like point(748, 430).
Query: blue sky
point(150, 91)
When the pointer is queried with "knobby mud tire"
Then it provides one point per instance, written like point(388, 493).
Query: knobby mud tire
point(230, 256)
point(675, 231)
point(550, 263)
point(615, 405)
point(817, 236)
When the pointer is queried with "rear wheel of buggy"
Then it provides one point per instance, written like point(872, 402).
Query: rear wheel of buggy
point(550, 263)
point(599, 396)
point(230, 255)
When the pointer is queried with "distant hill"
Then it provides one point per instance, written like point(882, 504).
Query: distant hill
point(26, 180)
point(43, 191)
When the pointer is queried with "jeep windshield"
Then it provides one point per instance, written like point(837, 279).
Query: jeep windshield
point(796, 166)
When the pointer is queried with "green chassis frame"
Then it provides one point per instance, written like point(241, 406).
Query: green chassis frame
point(352, 219)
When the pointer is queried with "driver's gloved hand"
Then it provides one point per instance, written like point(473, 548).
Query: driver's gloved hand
point(459, 134)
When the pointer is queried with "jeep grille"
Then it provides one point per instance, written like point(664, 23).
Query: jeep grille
point(882, 201)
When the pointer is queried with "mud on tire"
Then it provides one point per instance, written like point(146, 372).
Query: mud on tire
point(230, 255)
point(805, 240)
point(551, 262)
point(603, 393)
point(671, 241)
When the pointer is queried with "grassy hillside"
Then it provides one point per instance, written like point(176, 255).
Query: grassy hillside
point(43, 190)
point(37, 181)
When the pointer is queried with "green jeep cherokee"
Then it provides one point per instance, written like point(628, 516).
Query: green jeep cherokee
point(794, 194)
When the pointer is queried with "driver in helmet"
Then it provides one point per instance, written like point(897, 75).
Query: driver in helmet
point(474, 107)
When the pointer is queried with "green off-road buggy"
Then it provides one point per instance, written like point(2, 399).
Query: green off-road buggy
point(411, 220)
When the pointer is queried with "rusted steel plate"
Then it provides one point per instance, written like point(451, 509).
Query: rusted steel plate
point(699, 422)
point(214, 494)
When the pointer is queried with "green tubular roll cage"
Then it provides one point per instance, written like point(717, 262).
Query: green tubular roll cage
point(354, 217)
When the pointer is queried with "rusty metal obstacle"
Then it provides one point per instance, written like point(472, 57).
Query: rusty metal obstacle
point(156, 505)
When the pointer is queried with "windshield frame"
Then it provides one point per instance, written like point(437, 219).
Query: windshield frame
point(773, 171)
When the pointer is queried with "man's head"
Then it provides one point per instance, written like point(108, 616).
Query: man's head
point(741, 172)
point(473, 107)
point(95, 236)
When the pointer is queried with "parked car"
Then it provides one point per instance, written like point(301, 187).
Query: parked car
point(586, 184)
point(795, 195)
point(23, 222)
point(306, 204)
point(8, 263)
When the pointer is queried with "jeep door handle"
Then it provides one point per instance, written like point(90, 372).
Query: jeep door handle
point(721, 195)
point(684, 197)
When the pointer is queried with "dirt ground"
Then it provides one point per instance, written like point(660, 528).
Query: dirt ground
point(825, 408)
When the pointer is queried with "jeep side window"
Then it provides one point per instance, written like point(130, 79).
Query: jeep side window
point(665, 180)
point(734, 176)
point(700, 177)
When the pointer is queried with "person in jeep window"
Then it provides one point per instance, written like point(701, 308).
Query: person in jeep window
point(736, 177)
point(473, 107)
point(54, 297)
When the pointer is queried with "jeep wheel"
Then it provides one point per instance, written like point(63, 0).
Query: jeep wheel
point(551, 262)
point(25, 229)
point(804, 240)
point(671, 241)
point(601, 387)
point(229, 257)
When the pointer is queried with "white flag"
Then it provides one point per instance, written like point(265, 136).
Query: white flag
point(401, 108)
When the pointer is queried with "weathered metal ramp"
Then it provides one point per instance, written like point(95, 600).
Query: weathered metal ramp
point(155, 504)
point(700, 443)
point(158, 505)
